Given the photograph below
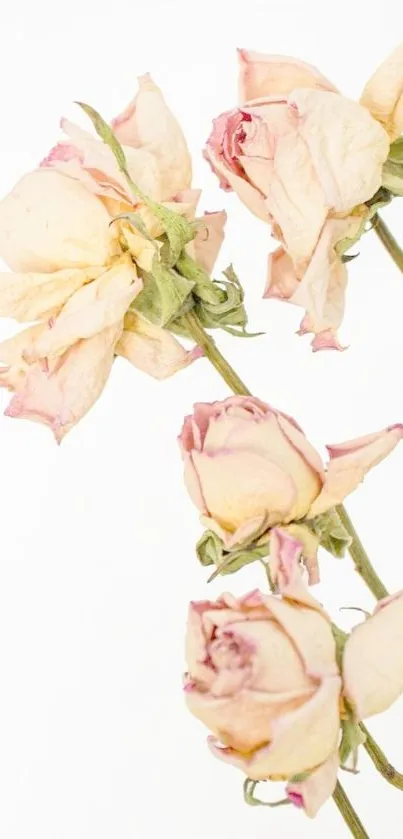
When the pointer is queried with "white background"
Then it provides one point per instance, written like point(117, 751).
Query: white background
point(97, 537)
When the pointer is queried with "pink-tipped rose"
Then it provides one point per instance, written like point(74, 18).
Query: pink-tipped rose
point(76, 274)
point(262, 675)
point(304, 159)
point(250, 467)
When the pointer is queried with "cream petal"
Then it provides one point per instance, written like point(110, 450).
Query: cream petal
point(302, 739)
point(59, 396)
point(92, 309)
point(383, 93)
point(322, 288)
point(148, 124)
point(266, 75)
point(373, 660)
point(153, 349)
point(347, 146)
point(12, 351)
point(50, 222)
point(241, 485)
point(296, 199)
point(28, 297)
point(246, 720)
point(314, 791)
point(350, 462)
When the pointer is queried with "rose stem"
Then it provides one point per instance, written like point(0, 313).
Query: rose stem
point(380, 760)
point(211, 351)
point(358, 554)
point(349, 815)
point(360, 557)
point(388, 241)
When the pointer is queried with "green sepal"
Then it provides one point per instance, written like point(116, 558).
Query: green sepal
point(396, 151)
point(392, 176)
point(331, 533)
point(249, 787)
point(210, 550)
point(165, 294)
point(379, 200)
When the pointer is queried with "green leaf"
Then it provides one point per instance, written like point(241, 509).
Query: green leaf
point(210, 550)
point(205, 288)
point(331, 533)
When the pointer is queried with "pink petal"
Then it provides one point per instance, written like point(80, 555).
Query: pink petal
point(263, 75)
point(60, 396)
point(350, 462)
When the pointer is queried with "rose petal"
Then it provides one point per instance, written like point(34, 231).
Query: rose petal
point(12, 354)
point(60, 396)
point(349, 463)
point(30, 296)
point(266, 75)
point(99, 162)
point(302, 739)
point(243, 485)
point(321, 290)
point(148, 124)
point(313, 791)
point(251, 197)
point(281, 281)
point(49, 222)
point(383, 93)
point(95, 307)
point(285, 553)
point(209, 239)
point(373, 660)
point(153, 349)
point(347, 146)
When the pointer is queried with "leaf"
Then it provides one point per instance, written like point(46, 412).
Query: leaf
point(249, 787)
point(164, 294)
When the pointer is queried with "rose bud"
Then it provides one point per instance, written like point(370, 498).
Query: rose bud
point(249, 467)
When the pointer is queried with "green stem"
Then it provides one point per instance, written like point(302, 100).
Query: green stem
point(349, 815)
point(361, 559)
point(211, 351)
point(388, 241)
point(380, 760)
